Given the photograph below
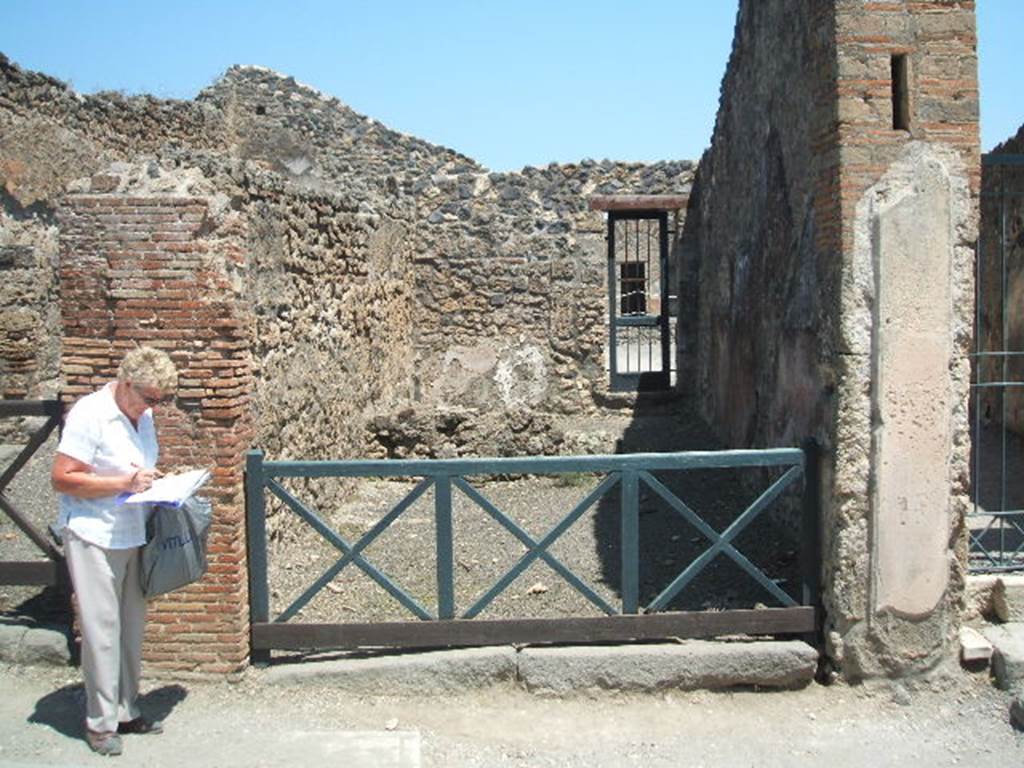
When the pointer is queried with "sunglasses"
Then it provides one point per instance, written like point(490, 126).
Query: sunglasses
point(149, 400)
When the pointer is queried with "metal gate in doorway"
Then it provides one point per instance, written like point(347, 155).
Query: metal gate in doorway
point(996, 521)
point(641, 291)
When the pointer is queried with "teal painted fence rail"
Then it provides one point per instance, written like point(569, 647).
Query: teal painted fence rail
point(630, 472)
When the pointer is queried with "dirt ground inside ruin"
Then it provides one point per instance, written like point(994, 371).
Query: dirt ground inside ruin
point(958, 719)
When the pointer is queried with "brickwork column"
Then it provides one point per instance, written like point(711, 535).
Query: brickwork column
point(147, 270)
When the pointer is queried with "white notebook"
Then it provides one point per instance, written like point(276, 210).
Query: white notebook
point(171, 489)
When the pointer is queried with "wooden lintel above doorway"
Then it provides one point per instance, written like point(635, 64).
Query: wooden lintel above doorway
point(638, 202)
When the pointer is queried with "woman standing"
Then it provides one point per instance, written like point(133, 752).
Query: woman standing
point(109, 448)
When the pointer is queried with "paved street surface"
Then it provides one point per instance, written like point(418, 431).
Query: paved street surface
point(958, 719)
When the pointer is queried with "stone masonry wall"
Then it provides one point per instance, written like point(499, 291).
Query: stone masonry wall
point(144, 268)
point(506, 270)
point(814, 317)
point(50, 136)
point(330, 288)
point(767, 239)
point(512, 306)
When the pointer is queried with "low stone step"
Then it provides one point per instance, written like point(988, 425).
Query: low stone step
point(691, 665)
point(563, 671)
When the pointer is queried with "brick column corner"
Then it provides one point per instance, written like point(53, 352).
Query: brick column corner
point(151, 270)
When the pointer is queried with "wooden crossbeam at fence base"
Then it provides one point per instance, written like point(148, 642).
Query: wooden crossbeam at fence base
point(32, 573)
point(477, 632)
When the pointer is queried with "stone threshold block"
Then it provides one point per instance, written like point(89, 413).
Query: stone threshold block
point(996, 597)
point(691, 665)
point(564, 671)
point(427, 674)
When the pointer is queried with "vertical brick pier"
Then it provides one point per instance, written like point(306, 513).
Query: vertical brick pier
point(148, 270)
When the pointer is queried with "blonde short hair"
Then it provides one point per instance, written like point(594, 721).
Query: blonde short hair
point(149, 367)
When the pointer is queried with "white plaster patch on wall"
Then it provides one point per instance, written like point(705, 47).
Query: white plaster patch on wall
point(477, 360)
point(521, 376)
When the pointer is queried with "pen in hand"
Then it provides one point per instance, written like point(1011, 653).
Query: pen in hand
point(142, 479)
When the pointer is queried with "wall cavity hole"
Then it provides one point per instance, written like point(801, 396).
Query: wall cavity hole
point(900, 93)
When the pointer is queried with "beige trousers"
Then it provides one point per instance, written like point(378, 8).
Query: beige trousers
point(112, 620)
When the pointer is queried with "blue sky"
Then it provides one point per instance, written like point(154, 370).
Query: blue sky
point(507, 82)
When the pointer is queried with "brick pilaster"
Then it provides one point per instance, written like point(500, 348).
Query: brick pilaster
point(145, 269)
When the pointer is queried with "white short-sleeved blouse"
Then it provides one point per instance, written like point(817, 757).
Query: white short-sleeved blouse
point(97, 433)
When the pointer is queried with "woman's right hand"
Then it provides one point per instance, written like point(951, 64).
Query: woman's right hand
point(142, 480)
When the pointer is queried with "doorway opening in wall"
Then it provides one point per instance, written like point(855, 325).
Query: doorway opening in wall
point(642, 292)
point(996, 520)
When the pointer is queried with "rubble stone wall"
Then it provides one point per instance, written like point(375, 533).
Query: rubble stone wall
point(505, 271)
point(767, 239)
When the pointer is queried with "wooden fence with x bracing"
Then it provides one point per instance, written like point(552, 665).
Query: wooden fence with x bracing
point(452, 625)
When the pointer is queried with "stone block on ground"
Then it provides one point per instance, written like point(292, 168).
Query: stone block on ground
point(1017, 712)
point(1008, 654)
point(1008, 598)
point(24, 644)
point(45, 646)
point(426, 673)
point(974, 646)
point(690, 665)
point(978, 596)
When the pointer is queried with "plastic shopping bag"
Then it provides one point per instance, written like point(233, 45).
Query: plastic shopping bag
point(175, 551)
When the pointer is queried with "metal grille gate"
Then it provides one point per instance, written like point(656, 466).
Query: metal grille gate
point(640, 348)
point(996, 522)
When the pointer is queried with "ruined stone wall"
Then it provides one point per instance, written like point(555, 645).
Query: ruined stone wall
point(507, 269)
point(766, 235)
point(820, 218)
point(331, 291)
point(487, 289)
point(512, 301)
point(1000, 323)
point(50, 136)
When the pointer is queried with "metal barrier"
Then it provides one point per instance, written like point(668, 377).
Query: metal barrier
point(37, 572)
point(449, 626)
